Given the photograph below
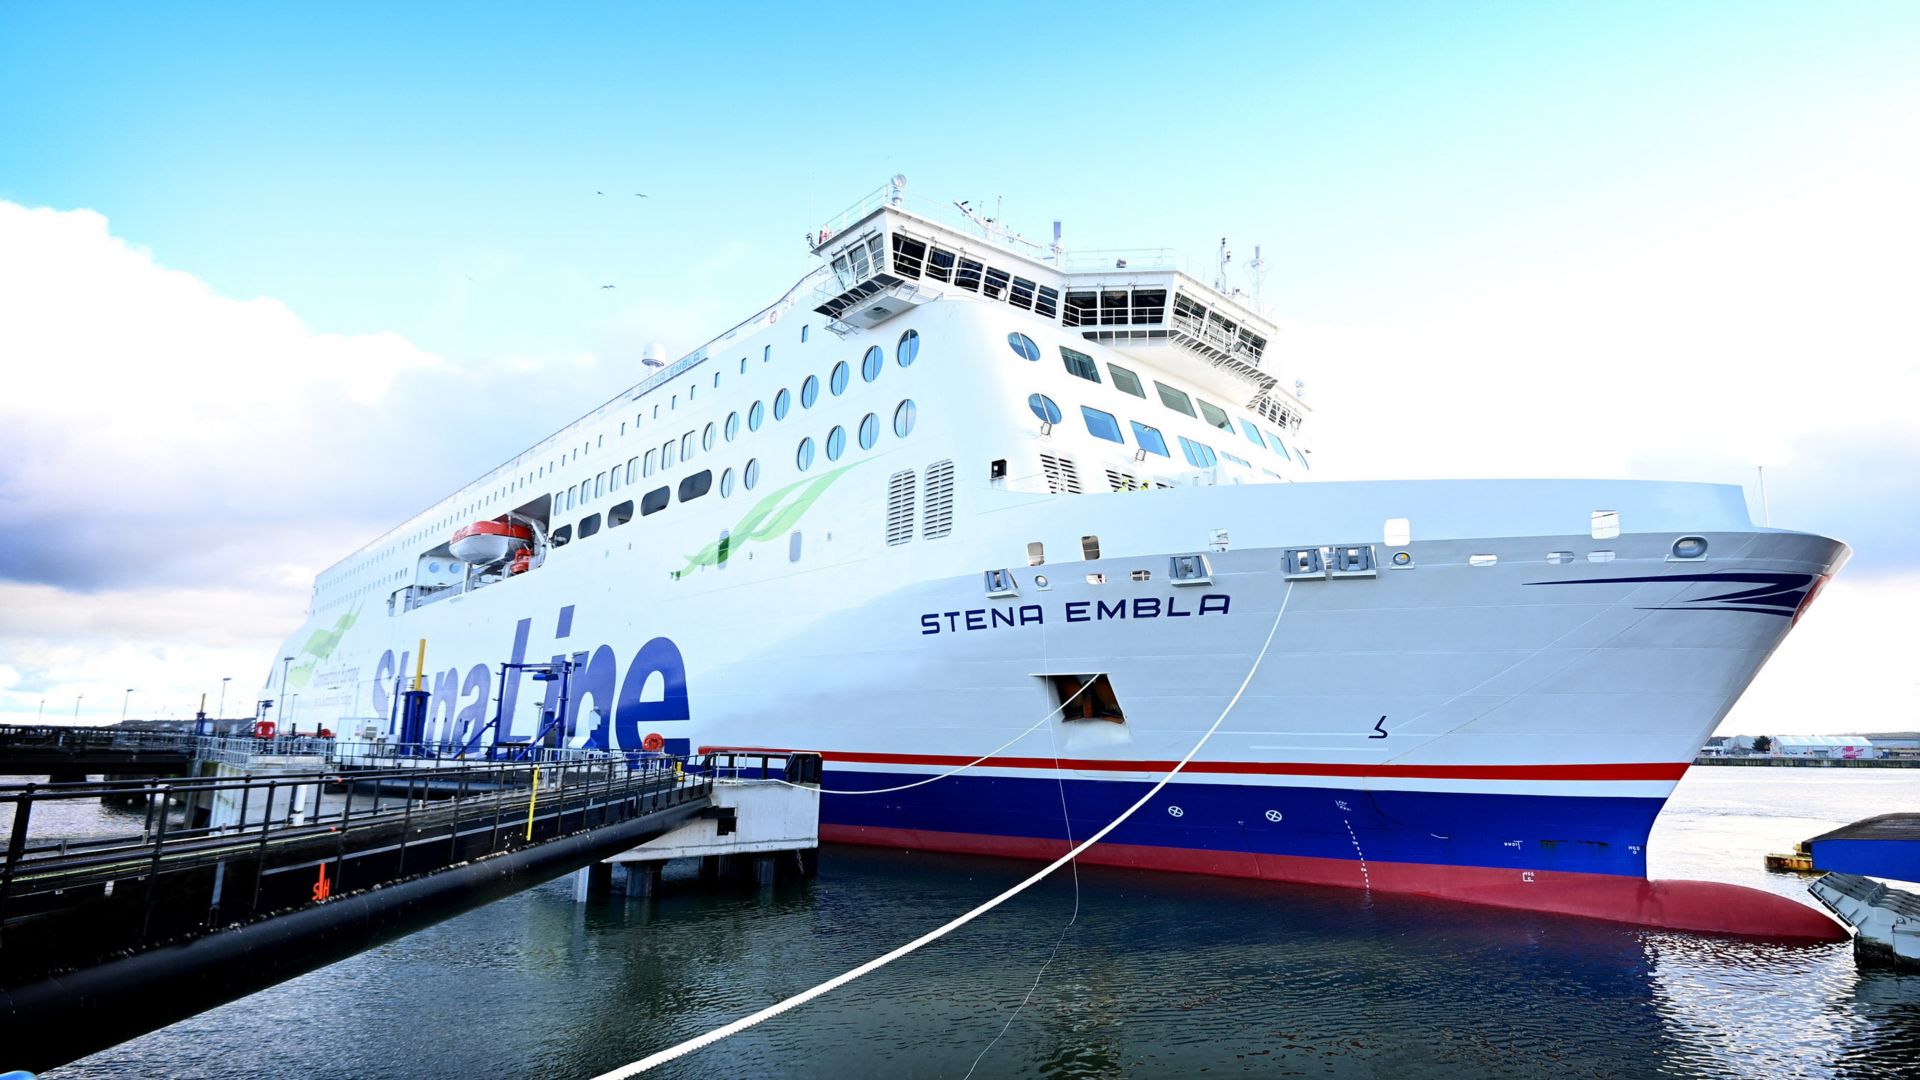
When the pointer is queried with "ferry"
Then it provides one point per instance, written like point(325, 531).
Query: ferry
point(1003, 531)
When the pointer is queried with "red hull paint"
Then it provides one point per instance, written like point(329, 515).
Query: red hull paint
point(1695, 906)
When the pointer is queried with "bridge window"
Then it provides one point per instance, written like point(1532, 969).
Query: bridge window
point(782, 402)
point(696, 485)
point(1021, 295)
point(1173, 399)
point(803, 457)
point(810, 391)
point(1149, 439)
point(837, 382)
point(996, 285)
point(654, 501)
point(909, 255)
point(1023, 346)
point(1125, 381)
point(620, 514)
point(751, 474)
point(1048, 301)
point(836, 443)
point(1102, 424)
point(969, 276)
point(869, 431)
point(589, 525)
point(940, 265)
point(1082, 309)
point(1080, 364)
point(871, 364)
point(1044, 408)
point(909, 348)
point(1215, 415)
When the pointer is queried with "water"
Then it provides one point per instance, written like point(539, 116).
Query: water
point(1160, 975)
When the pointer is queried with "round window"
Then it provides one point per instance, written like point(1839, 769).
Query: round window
point(1044, 408)
point(903, 418)
point(782, 402)
point(733, 425)
point(726, 483)
point(836, 443)
point(909, 348)
point(755, 414)
point(838, 380)
point(870, 364)
point(1023, 345)
point(803, 457)
point(750, 475)
point(809, 392)
point(869, 431)
point(706, 438)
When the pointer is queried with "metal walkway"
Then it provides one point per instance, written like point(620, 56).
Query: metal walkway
point(298, 870)
point(33, 751)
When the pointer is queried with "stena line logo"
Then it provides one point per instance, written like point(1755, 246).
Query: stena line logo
point(605, 697)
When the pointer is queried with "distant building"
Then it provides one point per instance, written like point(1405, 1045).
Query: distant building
point(1895, 743)
point(1828, 746)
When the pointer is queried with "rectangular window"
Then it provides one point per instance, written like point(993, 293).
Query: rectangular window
point(654, 501)
point(686, 447)
point(1021, 295)
point(996, 283)
point(573, 496)
point(940, 265)
point(561, 536)
point(1125, 381)
point(666, 454)
point(1102, 425)
point(1149, 439)
point(909, 255)
point(969, 275)
point(1082, 309)
point(696, 485)
point(589, 525)
point(1199, 454)
point(646, 467)
point(633, 465)
point(1080, 364)
point(1252, 433)
point(1048, 302)
point(1278, 446)
point(600, 485)
point(620, 514)
point(613, 481)
point(1173, 399)
point(1215, 415)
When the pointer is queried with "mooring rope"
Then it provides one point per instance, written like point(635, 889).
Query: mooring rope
point(700, 1041)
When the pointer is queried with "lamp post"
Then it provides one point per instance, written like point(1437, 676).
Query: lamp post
point(285, 663)
point(43, 710)
point(291, 702)
point(222, 711)
point(76, 705)
point(124, 702)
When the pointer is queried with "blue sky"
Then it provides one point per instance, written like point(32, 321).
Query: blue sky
point(1667, 240)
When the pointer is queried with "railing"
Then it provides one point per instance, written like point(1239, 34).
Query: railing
point(1085, 262)
point(78, 740)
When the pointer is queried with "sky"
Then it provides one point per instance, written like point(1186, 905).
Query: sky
point(256, 261)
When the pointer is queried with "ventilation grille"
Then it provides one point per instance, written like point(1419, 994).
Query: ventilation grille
point(1120, 481)
point(938, 521)
point(900, 489)
point(1061, 477)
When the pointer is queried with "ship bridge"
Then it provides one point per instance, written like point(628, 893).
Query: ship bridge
point(887, 258)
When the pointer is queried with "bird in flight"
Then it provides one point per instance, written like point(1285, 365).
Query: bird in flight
point(639, 194)
point(606, 286)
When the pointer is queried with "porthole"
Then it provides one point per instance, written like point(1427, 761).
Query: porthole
point(869, 431)
point(909, 348)
point(903, 418)
point(733, 425)
point(837, 382)
point(756, 413)
point(750, 475)
point(726, 482)
point(836, 443)
point(871, 364)
point(1044, 408)
point(803, 457)
point(809, 392)
point(1023, 346)
point(782, 403)
point(706, 438)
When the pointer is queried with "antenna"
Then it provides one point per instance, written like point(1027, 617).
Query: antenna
point(1259, 269)
point(1057, 249)
point(1226, 257)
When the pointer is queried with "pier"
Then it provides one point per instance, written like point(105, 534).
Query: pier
point(71, 753)
point(1885, 920)
point(237, 882)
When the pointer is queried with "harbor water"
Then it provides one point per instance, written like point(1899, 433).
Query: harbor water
point(1155, 975)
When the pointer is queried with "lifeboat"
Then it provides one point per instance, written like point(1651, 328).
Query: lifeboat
point(484, 543)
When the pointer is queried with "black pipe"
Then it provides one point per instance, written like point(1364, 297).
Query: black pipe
point(67, 1017)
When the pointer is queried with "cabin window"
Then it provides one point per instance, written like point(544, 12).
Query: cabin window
point(869, 431)
point(646, 466)
point(793, 546)
point(600, 485)
point(1044, 408)
point(666, 455)
point(1252, 433)
point(803, 333)
point(1149, 439)
point(562, 536)
point(733, 426)
point(1125, 381)
point(726, 483)
point(803, 457)
point(871, 364)
point(1199, 453)
point(613, 481)
point(1023, 346)
point(1102, 424)
point(1090, 548)
point(686, 447)
point(620, 514)
point(756, 413)
point(751, 474)
point(721, 550)
point(696, 485)
point(707, 436)
point(633, 464)
point(573, 494)
point(836, 443)
point(766, 356)
point(810, 391)
point(837, 382)
point(1215, 415)
point(1278, 446)
point(1236, 459)
point(903, 418)
point(782, 403)
point(909, 348)
point(1174, 399)
point(589, 525)
point(654, 501)
point(1080, 364)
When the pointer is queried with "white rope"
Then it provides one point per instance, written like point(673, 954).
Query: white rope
point(698, 1042)
point(956, 768)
